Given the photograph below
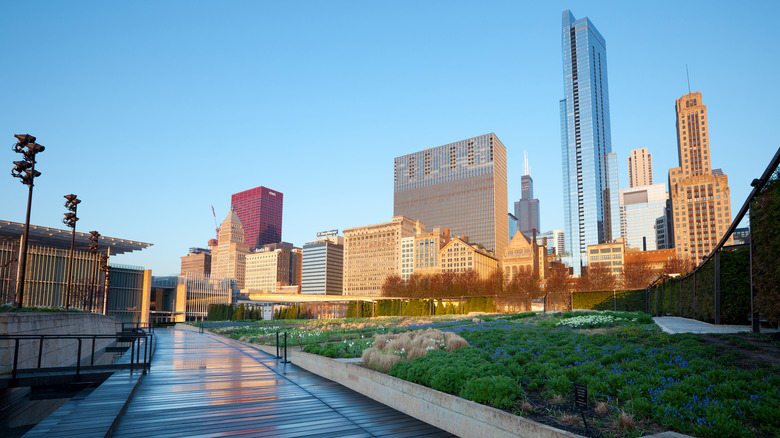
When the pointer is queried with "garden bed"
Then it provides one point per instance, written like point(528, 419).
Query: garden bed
point(639, 379)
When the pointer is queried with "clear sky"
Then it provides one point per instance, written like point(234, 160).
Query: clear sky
point(153, 111)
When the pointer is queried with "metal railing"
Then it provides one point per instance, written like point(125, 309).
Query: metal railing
point(136, 339)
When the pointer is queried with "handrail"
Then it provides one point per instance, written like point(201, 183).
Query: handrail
point(135, 345)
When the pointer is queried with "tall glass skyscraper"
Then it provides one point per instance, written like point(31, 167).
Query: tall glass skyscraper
point(590, 193)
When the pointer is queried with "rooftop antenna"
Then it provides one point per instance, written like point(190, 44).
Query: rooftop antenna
point(526, 168)
point(689, 78)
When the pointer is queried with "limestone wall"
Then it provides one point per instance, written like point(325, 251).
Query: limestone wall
point(55, 352)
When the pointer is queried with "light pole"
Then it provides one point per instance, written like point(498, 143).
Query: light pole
point(25, 171)
point(106, 280)
point(71, 203)
point(93, 248)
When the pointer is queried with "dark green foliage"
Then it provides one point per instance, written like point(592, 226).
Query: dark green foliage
point(496, 391)
point(735, 286)
point(294, 311)
point(765, 229)
point(388, 308)
point(629, 301)
point(225, 312)
point(359, 309)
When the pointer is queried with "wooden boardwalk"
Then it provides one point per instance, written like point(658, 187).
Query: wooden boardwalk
point(205, 386)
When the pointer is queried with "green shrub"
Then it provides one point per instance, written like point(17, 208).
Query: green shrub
point(496, 391)
point(592, 300)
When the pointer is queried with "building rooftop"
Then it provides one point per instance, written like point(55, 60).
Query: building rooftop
point(55, 238)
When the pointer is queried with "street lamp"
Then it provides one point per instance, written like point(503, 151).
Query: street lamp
point(25, 171)
point(93, 248)
point(71, 203)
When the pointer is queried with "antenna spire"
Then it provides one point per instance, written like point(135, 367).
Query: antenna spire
point(689, 78)
point(526, 168)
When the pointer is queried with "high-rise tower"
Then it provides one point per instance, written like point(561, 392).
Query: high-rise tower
point(260, 212)
point(640, 168)
point(700, 197)
point(590, 192)
point(461, 186)
point(527, 208)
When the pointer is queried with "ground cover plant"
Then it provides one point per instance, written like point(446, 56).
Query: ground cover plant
point(639, 379)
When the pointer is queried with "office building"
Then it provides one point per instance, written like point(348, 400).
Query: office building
point(427, 245)
point(608, 254)
point(591, 203)
point(700, 195)
point(323, 266)
point(407, 257)
point(643, 217)
point(459, 255)
point(741, 236)
point(229, 255)
point(197, 261)
point(260, 212)
point(372, 253)
point(640, 168)
point(461, 186)
point(513, 224)
point(555, 242)
point(527, 208)
point(273, 267)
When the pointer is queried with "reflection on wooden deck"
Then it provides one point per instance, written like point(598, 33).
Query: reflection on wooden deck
point(205, 386)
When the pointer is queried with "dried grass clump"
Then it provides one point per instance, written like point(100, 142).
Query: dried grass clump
point(570, 419)
point(391, 348)
point(601, 408)
point(626, 421)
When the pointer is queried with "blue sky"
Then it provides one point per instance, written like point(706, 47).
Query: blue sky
point(151, 112)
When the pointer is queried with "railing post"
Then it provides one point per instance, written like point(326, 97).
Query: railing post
point(285, 349)
point(146, 345)
point(40, 351)
point(16, 358)
point(92, 357)
point(132, 354)
point(78, 359)
point(717, 287)
point(277, 345)
point(694, 294)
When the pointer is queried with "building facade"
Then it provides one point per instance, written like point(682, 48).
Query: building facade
point(323, 266)
point(640, 168)
point(643, 217)
point(609, 254)
point(591, 205)
point(700, 196)
point(556, 244)
point(372, 253)
point(197, 261)
point(527, 208)
point(525, 256)
point(272, 267)
point(229, 256)
point(407, 257)
point(459, 255)
point(260, 213)
point(461, 186)
point(427, 245)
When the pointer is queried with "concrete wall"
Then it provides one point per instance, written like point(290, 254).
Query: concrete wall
point(461, 417)
point(55, 352)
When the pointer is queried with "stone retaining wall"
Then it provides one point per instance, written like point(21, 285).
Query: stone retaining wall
point(60, 352)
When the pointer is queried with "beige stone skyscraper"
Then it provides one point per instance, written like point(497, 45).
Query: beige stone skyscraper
point(229, 256)
point(640, 168)
point(700, 196)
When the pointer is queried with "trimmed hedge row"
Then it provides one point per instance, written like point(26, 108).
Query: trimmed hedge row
point(625, 300)
point(357, 309)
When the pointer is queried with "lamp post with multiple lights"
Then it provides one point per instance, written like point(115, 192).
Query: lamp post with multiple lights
point(71, 203)
point(93, 248)
point(25, 171)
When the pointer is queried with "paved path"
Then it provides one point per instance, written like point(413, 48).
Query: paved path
point(205, 386)
point(675, 324)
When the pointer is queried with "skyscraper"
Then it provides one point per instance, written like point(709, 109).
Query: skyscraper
point(229, 256)
point(643, 217)
point(640, 168)
point(260, 212)
point(527, 208)
point(461, 186)
point(700, 196)
point(590, 196)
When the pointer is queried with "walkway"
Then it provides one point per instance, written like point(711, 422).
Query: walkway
point(675, 324)
point(206, 386)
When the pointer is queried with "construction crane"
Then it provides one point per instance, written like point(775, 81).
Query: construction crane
point(216, 225)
